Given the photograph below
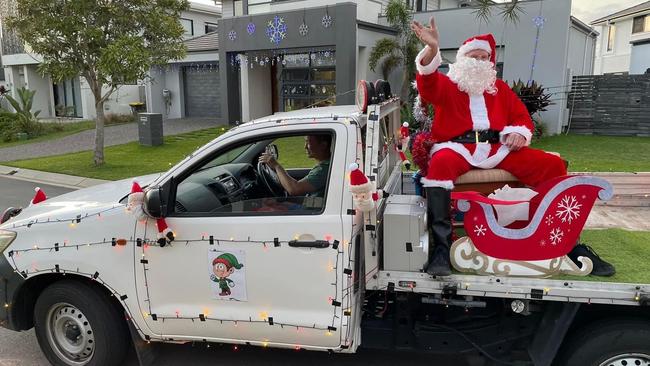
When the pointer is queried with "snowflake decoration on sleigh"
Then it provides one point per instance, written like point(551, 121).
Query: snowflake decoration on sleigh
point(276, 30)
point(568, 209)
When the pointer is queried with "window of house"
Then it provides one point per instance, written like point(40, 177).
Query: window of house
point(308, 79)
point(210, 27)
point(611, 34)
point(233, 183)
point(641, 24)
point(188, 25)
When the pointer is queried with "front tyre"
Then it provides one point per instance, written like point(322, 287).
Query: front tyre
point(615, 342)
point(77, 325)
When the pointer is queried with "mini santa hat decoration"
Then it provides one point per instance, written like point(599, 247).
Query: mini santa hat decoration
point(136, 192)
point(404, 130)
point(483, 42)
point(38, 197)
point(165, 235)
point(359, 183)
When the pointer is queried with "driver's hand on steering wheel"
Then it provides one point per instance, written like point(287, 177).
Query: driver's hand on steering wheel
point(269, 160)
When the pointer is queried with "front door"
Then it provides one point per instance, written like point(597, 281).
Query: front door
point(248, 265)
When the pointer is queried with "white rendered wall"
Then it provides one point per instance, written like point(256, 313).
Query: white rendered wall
point(174, 83)
point(117, 103)
point(256, 92)
point(43, 99)
point(367, 10)
point(618, 59)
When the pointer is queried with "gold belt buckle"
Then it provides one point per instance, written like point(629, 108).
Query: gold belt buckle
point(477, 140)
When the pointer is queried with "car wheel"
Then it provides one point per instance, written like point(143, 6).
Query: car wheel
point(615, 342)
point(77, 325)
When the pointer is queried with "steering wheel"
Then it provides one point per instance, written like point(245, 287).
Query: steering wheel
point(271, 180)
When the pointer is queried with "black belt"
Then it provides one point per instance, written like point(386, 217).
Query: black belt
point(477, 137)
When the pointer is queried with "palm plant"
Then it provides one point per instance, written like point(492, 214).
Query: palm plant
point(536, 100)
point(390, 53)
point(26, 120)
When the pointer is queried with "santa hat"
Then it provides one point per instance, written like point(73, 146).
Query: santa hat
point(404, 130)
point(483, 42)
point(38, 197)
point(359, 183)
point(165, 235)
point(136, 193)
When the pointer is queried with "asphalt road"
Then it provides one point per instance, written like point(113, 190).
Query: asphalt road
point(21, 349)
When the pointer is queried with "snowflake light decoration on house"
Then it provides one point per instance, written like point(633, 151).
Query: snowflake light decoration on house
point(568, 209)
point(539, 21)
point(556, 236)
point(232, 35)
point(327, 20)
point(276, 30)
point(303, 29)
point(250, 28)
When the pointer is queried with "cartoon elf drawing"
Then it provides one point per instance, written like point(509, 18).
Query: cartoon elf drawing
point(222, 267)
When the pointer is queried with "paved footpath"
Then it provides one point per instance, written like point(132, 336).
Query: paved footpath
point(113, 135)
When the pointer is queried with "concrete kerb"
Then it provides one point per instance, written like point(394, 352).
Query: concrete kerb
point(56, 179)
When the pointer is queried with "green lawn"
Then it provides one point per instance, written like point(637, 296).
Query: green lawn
point(55, 130)
point(626, 250)
point(600, 153)
point(132, 159)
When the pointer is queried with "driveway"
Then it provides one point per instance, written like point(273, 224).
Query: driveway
point(113, 135)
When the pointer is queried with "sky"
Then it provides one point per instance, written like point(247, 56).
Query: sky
point(585, 10)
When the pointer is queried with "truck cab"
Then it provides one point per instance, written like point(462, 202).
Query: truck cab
point(252, 265)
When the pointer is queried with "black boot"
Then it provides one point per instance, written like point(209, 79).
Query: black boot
point(439, 222)
point(601, 267)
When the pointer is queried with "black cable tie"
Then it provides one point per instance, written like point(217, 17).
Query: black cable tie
point(335, 245)
point(371, 178)
point(348, 271)
point(270, 320)
point(370, 227)
point(138, 242)
point(144, 261)
point(202, 317)
point(344, 347)
point(336, 303)
point(352, 212)
point(56, 247)
point(409, 246)
point(147, 338)
point(276, 242)
point(24, 274)
point(123, 297)
point(96, 275)
point(331, 328)
point(536, 294)
point(347, 313)
point(154, 317)
point(113, 242)
point(56, 268)
point(353, 122)
point(385, 194)
point(336, 118)
point(391, 287)
point(78, 219)
point(375, 170)
point(11, 253)
point(211, 240)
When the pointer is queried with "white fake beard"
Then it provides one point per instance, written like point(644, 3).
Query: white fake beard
point(135, 208)
point(472, 76)
point(365, 204)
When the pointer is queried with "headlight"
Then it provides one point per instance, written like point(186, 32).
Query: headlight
point(6, 237)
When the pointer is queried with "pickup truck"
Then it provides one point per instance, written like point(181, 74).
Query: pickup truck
point(252, 265)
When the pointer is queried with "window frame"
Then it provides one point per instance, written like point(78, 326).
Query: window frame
point(191, 26)
point(611, 38)
point(236, 144)
point(206, 24)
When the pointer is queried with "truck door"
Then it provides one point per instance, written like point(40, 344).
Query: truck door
point(248, 265)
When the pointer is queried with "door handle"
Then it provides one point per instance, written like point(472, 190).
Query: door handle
point(319, 244)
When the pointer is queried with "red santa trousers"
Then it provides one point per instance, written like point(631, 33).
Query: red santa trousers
point(530, 166)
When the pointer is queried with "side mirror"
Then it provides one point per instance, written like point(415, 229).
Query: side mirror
point(153, 205)
point(273, 150)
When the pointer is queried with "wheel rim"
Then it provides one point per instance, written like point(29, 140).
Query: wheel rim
point(628, 359)
point(70, 334)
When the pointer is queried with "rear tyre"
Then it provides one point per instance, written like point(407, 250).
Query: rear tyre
point(77, 325)
point(615, 342)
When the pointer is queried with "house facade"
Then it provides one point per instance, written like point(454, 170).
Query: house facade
point(624, 42)
point(73, 97)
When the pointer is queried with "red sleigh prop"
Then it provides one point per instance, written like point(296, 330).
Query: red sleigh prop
point(557, 216)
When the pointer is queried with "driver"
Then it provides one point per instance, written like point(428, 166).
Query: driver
point(313, 184)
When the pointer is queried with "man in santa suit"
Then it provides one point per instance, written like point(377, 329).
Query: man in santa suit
point(479, 123)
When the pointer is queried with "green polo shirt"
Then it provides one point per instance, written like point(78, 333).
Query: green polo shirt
point(317, 177)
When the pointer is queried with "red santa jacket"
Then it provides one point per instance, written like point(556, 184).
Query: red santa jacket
point(456, 112)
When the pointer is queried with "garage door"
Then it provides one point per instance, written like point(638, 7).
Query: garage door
point(202, 92)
